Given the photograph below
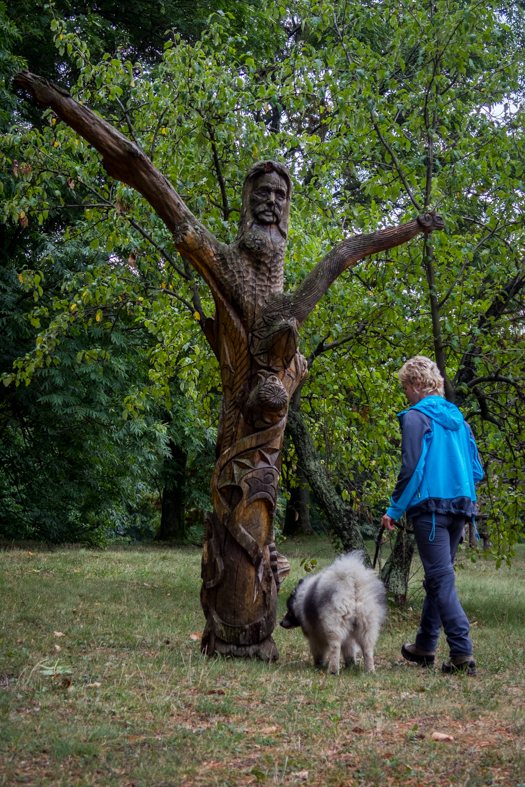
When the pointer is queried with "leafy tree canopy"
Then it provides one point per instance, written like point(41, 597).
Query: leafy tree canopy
point(380, 111)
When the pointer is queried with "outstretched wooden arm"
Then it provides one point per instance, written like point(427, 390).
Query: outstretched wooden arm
point(320, 278)
point(124, 161)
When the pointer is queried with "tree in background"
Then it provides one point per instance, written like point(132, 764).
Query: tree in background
point(372, 108)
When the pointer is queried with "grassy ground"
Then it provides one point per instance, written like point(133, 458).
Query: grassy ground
point(102, 683)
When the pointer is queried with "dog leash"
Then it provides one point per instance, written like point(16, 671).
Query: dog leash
point(380, 536)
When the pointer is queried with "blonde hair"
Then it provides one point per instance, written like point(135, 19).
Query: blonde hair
point(421, 369)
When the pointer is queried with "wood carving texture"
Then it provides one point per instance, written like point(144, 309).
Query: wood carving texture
point(255, 336)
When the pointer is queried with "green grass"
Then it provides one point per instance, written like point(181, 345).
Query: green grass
point(125, 698)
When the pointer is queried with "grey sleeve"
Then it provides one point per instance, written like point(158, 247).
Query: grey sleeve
point(415, 426)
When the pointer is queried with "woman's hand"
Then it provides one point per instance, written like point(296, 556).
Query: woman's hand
point(388, 522)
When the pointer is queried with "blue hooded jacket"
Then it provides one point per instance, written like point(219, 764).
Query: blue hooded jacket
point(440, 461)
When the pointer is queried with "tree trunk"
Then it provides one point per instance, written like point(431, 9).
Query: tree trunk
point(396, 571)
point(172, 522)
point(297, 516)
point(340, 516)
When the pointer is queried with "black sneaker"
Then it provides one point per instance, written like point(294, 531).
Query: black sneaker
point(415, 654)
point(466, 667)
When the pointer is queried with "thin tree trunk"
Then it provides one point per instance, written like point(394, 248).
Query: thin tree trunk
point(172, 523)
point(428, 256)
point(340, 516)
point(396, 571)
point(297, 517)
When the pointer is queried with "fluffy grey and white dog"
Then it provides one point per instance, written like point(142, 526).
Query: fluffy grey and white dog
point(339, 609)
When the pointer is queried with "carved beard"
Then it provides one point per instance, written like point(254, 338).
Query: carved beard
point(265, 245)
point(257, 212)
point(260, 262)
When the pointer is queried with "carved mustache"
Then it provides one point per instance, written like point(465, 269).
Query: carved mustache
point(268, 207)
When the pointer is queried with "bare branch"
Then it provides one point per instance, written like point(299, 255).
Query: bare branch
point(494, 378)
point(172, 294)
point(130, 125)
point(156, 133)
point(167, 256)
point(396, 163)
point(322, 347)
point(220, 177)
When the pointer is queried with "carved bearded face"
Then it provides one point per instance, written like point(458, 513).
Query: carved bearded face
point(268, 198)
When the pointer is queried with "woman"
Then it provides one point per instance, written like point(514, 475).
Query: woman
point(435, 487)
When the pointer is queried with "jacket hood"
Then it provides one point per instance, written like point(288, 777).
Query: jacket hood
point(445, 413)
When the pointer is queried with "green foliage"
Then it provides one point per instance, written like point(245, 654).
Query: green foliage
point(381, 112)
point(10, 63)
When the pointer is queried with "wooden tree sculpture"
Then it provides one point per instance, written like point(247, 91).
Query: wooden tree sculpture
point(254, 334)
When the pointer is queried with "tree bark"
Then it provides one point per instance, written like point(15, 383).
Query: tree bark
point(396, 571)
point(468, 375)
point(340, 516)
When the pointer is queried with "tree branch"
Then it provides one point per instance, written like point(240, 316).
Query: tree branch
point(396, 163)
point(167, 256)
point(126, 162)
point(220, 177)
point(130, 125)
point(428, 260)
point(484, 410)
point(320, 278)
point(493, 378)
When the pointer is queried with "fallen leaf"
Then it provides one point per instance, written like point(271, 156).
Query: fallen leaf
point(58, 634)
point(441, 736)
point(357, 729)
point(31, 553)
point(96, 684)
point(221, 692)
point(302, 775)
point(58, 648)
point(196, 636)
point(269, 730)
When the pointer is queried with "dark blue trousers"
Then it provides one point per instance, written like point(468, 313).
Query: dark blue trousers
point(441, 606)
